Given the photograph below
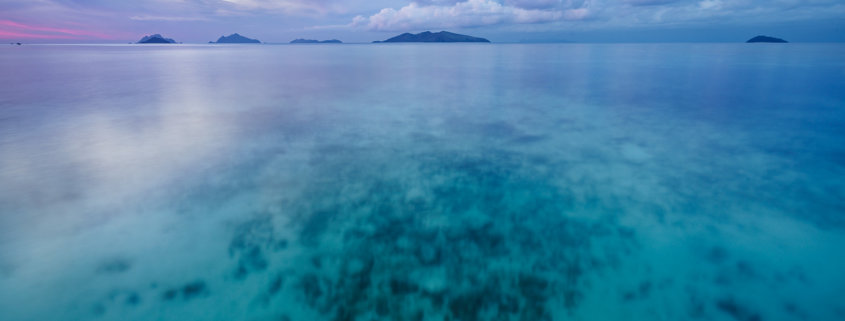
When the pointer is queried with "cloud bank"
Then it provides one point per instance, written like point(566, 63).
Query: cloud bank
point(436, 14)
point(193, 20)
point(472, 13)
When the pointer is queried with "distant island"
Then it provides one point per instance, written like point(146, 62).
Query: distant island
point(156, 38)
point(235, 38)
point(315, 41)
point(428, 36)
point(766, 39)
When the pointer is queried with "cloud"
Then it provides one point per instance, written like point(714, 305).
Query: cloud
point(167, 18)
point(286, 6)
point(648, 2)
point(25, 35)
point(472, 13)
point(536, 4)
point(555, 14)
point(710, 4)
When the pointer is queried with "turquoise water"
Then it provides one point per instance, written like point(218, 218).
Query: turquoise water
point(422, 182)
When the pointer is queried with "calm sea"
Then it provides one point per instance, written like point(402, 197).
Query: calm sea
point(422, 182)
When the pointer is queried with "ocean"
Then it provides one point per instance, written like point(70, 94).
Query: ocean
point(454, 182)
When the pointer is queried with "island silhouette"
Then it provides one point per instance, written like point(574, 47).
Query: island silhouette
point(235, 38)
point(766, 39)
point(156, 38)
point(428, 36)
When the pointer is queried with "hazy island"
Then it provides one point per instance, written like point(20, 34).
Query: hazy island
point(766, 39)
point(315, 41)
point(428, 36)
point(156, 38)
point(235, 38)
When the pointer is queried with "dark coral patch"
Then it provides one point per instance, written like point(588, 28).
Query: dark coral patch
point(467, 306)
point(132, 299)
point(188, 291)
point(114, 265)
point(169, 294)
point(402, 287)
point(534, 288)
point(717, 255)
point(276, 285)
point(194, 289)
point(736, 310)
point(252, 241)
point(438, 249)
point(312, 288)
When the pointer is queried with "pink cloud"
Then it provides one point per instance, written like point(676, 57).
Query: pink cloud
point(11, 29)
point(19, 35)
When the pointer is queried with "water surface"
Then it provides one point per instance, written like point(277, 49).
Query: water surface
point(422, 182)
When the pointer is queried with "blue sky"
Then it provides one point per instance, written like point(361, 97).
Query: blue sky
point(200, 21)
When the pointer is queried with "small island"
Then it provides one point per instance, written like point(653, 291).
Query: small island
point(766, 39)
point(315, 41)
point(428, 36)
point(235, 38)
point(156, 38)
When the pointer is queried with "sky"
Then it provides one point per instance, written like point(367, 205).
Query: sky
point(200, 21)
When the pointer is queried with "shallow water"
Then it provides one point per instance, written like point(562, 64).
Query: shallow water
point(422, 182)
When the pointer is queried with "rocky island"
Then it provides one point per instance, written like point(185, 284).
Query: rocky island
point(156, 38)
point(235, 38)
point(428, 36)
point(766, 39)
point(315, 41)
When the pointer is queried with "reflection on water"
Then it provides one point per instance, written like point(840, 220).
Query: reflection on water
point(408, 182)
